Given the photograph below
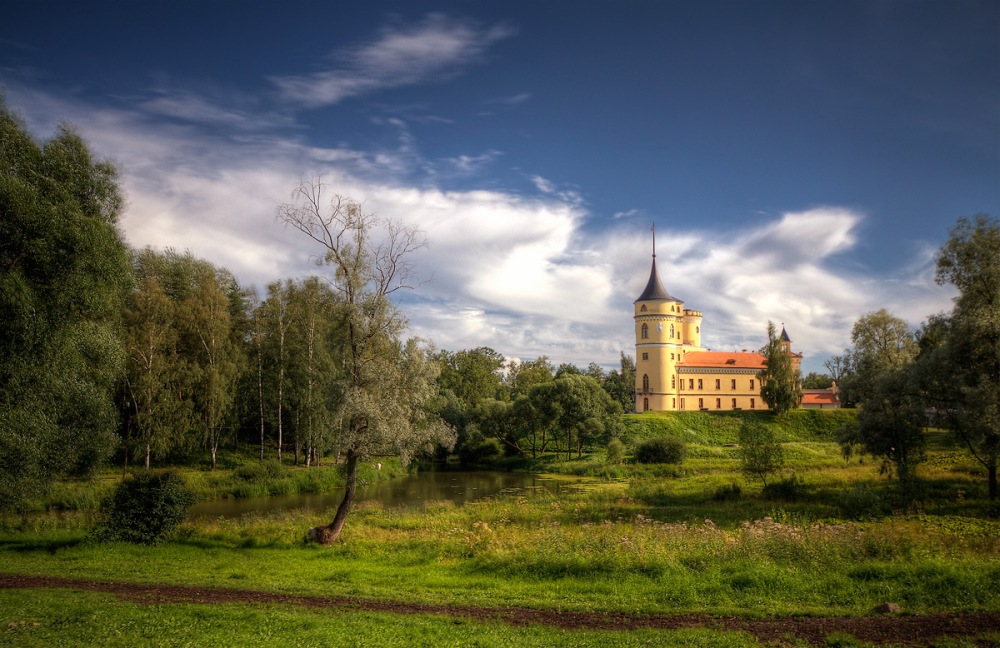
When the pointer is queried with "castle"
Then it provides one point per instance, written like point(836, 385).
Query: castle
point(673, 370)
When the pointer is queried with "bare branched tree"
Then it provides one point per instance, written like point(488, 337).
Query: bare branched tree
point(383, 383)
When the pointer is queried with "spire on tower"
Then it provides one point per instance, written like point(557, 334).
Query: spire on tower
point(654, 288)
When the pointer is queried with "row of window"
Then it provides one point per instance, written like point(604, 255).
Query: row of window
point(690, 381)
point(645, 331)
point(673, 309)
point(701, 404)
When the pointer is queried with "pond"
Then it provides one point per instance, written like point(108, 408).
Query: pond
point(433, 486)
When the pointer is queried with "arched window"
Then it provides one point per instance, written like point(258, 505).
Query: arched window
point(643, 309)
point(645, 331)
point(671, 330)
point(645, 382)
point(697, 329)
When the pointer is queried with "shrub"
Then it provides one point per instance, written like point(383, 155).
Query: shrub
point(667, 450)
point(261, 471)
point(145, 508)
point(790, 489)
point(862, 502)
point(760, 453)
point(616, 451)
point(480, 451)
point(726, 493)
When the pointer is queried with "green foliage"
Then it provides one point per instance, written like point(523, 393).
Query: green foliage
point(480, 451)
point(789, 489)
point(760, 453)
point(145, 509)
point(779, 380)
point(963, 367)
point(719, 428)
point(862, 501)
point(615, 452)
point(815, 380)
point(662, 450)
point(262, 471)
point(726, 493)
point(64, 274)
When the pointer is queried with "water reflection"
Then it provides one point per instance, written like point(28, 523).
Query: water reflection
point(456, 487)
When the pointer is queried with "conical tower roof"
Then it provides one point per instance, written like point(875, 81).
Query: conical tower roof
point(654, 287)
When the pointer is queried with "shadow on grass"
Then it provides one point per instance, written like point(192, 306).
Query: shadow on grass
point(48, 545)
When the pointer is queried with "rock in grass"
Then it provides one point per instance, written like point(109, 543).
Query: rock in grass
point(887, 608)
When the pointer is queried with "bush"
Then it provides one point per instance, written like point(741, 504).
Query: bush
point(760, 453)
point(481, 451)
point(262, 471)
point(862, 502)
point(616, 451)
point(667, 450)
point(727, 493)
point(790, 489)
point(145, 509)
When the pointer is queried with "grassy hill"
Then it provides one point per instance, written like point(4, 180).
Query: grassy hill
point(721, 428)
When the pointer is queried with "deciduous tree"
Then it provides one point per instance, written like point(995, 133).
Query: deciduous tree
point(64, 275)
point(969, 354)
point(383, 386)
point(779, 380)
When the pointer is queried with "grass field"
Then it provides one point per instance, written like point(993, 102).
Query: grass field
point(630, 539)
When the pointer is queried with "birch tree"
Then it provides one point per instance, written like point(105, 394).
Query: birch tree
point(382, 385)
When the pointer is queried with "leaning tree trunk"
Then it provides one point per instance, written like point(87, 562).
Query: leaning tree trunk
point(330, 533)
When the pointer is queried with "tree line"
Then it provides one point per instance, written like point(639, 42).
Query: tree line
point(157, 356)
point(945, 374)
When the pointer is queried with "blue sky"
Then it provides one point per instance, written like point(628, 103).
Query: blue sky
point(802, 161)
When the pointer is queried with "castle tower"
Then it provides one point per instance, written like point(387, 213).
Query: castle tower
point(663, 331)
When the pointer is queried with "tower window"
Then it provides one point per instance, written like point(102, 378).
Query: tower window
point(645, 382)
point(671, 330)
point(697, 329)
point(643, 309)
point(645, 356)
point(645, 331)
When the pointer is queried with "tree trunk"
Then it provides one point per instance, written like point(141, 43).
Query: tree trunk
point(331, 533)
point(147, 456)
point(991, 477)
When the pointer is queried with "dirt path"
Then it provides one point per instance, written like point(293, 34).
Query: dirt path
point(902, 630)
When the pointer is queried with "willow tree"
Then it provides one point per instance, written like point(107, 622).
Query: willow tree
point(382, 385)
point(64, 275)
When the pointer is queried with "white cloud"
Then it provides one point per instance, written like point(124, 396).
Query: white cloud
point(438, 47)
point(524, 275)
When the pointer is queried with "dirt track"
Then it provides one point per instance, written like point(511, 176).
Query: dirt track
point(897, 629)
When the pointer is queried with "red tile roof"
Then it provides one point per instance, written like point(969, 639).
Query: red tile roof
point(827, 398)
point(722, 359)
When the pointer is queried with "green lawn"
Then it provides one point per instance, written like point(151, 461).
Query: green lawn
point(652, 539)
